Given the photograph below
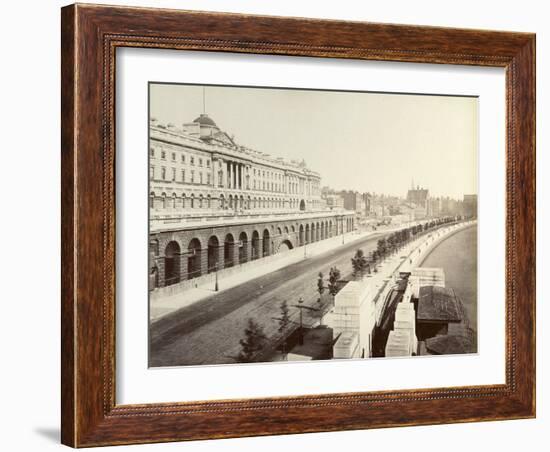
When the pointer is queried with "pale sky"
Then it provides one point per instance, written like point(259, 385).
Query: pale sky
point(359, 141)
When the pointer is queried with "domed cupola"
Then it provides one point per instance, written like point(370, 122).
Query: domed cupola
point(205, 120)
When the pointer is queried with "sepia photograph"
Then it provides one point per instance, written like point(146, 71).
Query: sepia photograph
point(292, 224)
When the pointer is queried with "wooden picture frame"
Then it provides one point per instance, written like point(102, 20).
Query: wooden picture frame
point(90, 35)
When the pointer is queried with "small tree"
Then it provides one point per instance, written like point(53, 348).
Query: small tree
point(359, 264)
point(284, 321)
point(333, 278)
point(382, 247)
point(253, 342)
point(320, 286)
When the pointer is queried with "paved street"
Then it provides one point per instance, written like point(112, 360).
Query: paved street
point(209, 331)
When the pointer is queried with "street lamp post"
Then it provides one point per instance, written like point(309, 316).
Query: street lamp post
point(300, 301)
point(216, 288)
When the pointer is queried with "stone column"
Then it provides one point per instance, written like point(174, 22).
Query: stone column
point(160, 265)
point(215, 165)
point(229, 176)
point(241, 176)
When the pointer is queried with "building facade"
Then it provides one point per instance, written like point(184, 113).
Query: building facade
point(215, 204)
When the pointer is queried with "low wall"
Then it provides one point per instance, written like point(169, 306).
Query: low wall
point(419, 252)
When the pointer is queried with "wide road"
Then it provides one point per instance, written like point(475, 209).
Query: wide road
point(208, 332)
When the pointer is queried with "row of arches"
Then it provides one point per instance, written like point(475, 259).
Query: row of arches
point(237, 202)
point(205, 256)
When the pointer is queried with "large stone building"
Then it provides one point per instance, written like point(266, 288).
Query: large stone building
point(215, 204)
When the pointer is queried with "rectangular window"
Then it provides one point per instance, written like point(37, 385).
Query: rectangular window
point(174, 156)
point(163, 173)
point(208, 179)
point(200, 162)
point(183, 176)
point(182, 158)
point(163, 155)
point(151, 172)
point(192, 175)
point(152, 152)
point(192, 160)
point(200, 178)
point(173, 174)
point(208, 163)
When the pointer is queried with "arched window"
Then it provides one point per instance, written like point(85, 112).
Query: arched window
point(208, 202)
point(164, 201)
point(192, 201)
point(172, 256)
point(152, 200)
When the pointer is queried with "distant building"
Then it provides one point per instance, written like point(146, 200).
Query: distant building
point(419, 197)
point(470, 206)
point(360, 203)
point(352, 200)
point(334, 201)
point(367, 199)
point(434, 207)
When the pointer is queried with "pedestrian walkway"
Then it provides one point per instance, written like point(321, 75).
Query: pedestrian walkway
point(161, 307)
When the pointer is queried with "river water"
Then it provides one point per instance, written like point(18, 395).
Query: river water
point(457, 255)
